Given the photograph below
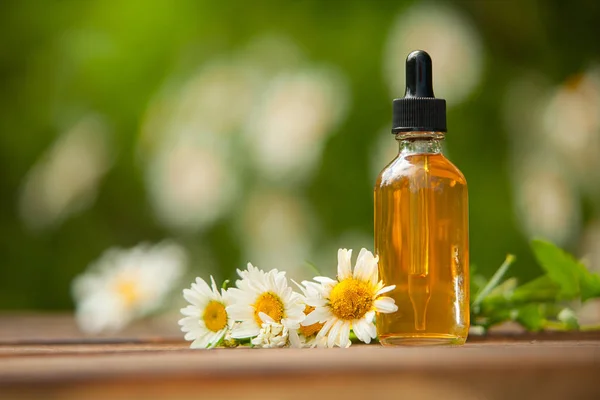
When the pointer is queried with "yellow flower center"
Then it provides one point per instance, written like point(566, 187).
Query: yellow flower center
point(128, 290)
point(310, 330)
point(215, 316)
point(270, 304)
point(351, 299)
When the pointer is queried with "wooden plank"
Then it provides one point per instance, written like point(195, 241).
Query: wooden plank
point(494, 371)
point(45, 356)
point(60, 328)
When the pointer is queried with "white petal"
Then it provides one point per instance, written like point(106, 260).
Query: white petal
point(385, 305)
point(316, 302)
point(375, 272)
point(366, 267)
point(202, 287)
point(295, 315)
point(216, 338)
point(369, 316)
point(191, 311)
point(362, 331)
point(359, 330)
point(312, 289)
point(244, 330)
point(344, 334)
point(265, 318)
point(190, 336)
point(324, 280)
point(294, 339)
point(371, 330)
point(235, 294)
point(290, 323)
point(344, 268)
point(385, 290)
point(240, 312)
point(214, 285)
point(317, 315)
point(334, 333)
point(201, 342)
point(299, 286)
point(326, 328)
point(193, 297)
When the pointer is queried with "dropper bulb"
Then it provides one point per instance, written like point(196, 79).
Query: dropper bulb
point(419, 75)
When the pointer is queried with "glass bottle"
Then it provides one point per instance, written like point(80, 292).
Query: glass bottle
point(421, 223)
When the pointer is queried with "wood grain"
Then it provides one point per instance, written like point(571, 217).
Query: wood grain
point(549, 366)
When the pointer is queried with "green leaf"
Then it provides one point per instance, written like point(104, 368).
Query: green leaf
point(572, 277)
point(505, 289)
point(590, 284)
point(531, 316)
point(561, 268)
point(542, 289)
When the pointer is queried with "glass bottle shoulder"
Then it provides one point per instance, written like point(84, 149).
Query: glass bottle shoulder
point(404, 167)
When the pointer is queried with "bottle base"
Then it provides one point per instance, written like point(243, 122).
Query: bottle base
point(421, 339)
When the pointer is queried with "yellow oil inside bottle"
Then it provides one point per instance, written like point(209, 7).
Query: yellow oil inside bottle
point(421, 237)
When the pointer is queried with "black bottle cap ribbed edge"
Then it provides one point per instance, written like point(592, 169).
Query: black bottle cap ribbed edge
point(419, 110)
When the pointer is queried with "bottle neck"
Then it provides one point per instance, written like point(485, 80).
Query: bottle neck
point(420, 142)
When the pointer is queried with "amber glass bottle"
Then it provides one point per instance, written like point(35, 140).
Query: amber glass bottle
point(421, 223)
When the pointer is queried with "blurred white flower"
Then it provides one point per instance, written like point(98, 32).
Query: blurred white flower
point(260, 295)
point(64, 181)
point(212, 104)
point(298, 112)
point(277, 228)
point(350, 301)
point(187, 142)
point(205, 320)
point(451, 40)
point(190, 182)
point(126, 284)
point(571, 122)
point(271, 335)
point(547, 204)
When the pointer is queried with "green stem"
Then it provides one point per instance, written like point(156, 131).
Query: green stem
point(313, 268)
point(494, 281)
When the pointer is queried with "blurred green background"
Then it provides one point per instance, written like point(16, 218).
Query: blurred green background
point(253, 131)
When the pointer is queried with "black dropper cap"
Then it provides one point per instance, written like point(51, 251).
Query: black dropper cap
point(419, 110)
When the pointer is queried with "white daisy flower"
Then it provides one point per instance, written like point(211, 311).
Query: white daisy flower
point(126, 284)
point(272, 334)
point(306, 336)
point(288, 130)
point(206, 321)
point(351, 301)
point(259, 293)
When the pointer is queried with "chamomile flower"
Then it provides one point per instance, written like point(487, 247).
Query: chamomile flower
point(306, 336)
point(126, 284)
point(261, 293)
point(351, 301)
point(272, 334)
point(205, 320)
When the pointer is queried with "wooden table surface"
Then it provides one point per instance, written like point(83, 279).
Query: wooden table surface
point(45, 356)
